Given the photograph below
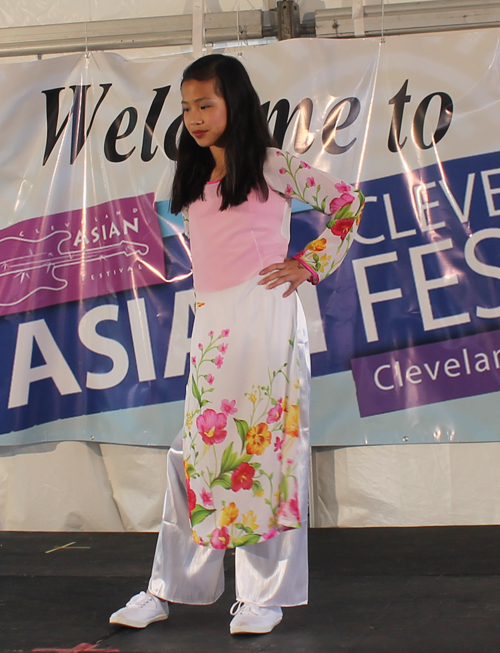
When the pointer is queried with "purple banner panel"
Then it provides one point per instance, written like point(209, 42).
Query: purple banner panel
point(78, 254)
point(427, 374)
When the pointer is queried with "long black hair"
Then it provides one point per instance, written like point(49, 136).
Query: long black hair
point(246, 138)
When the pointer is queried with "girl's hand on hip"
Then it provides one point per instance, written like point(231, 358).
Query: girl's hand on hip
point(290, 271)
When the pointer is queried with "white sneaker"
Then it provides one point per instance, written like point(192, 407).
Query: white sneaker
point(253, 618)
point(140, 611)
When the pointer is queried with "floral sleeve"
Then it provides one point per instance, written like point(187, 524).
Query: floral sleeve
point(339, 201)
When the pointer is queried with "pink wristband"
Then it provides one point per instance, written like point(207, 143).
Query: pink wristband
point(314, 278)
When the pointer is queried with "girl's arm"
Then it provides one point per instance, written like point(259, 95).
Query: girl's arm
point(339, 201)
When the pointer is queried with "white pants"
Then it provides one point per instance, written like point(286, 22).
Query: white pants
point(268, 573)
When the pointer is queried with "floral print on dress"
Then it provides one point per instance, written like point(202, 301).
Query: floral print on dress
point(245, 448)
point(263, 424)
point(339, 201)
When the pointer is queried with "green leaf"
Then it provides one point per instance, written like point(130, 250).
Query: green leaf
point(243, 429)
point(191, 470)
point(242, 527)
point(200, 513)
point(257, 487)
point(229, 460)
point(251, 538)
point(224, 480)
point(243, 459)
point(344, 212)
point(196, 392)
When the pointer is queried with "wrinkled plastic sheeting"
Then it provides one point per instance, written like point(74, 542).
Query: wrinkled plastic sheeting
point(74, 486)
point(414, 485)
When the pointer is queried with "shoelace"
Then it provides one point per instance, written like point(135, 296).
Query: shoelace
point(140, 600)
point(240, 607)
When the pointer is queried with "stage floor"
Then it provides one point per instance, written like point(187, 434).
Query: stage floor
point(391, 590)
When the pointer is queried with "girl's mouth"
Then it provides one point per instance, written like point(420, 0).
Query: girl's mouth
point(198, 133)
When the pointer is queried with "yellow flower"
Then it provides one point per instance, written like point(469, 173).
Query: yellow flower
point(249, 520)
point(323, 262)
point(292, 421)
point(297, 385)
point(259, 493)
point(317, 245)
point(196, 537)
point(186, 473)
point(229, 514)
point(252, 397)
point(258, 438)
point(189, 420)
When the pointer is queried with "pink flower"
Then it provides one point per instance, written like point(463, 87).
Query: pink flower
point(228, 407)
point(288, 190)
point(279, 457)
point(242, 477)
point(218, 360)
point(294, 507)
point(210, 333)
point(223, 348)
point(210, 379)
point(342, 227)
point(278, 444)
point(283, 509)
point(275, 413)
point(220, 538)
point(278, 153)
point(224, 333)
point(306, 165)
point(272, 533)
point(282, 171)
point(211, 426)
point(193, 359)
point(289, 461)
point(310, 182)
point(191, 500)
point(191, 497)
point(206, 498)
point(200, 346)
point(339, 202)
point(342, 187)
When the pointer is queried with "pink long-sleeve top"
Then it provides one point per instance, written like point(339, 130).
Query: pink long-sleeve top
point(229, 247)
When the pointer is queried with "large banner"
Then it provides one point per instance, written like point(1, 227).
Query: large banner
point(95, 283)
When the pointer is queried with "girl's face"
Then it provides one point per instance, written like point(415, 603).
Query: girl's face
point(205, 114)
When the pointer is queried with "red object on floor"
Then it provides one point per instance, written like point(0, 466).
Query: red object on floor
point(81, 648)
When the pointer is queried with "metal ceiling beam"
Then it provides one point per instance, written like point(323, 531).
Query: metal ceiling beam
point(128, 33)
point(410, 17)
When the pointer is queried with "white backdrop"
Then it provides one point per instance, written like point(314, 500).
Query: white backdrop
point(69, 486)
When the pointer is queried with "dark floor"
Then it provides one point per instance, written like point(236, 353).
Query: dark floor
point(405, 590)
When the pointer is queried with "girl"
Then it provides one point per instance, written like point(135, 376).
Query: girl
point(238, 473)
